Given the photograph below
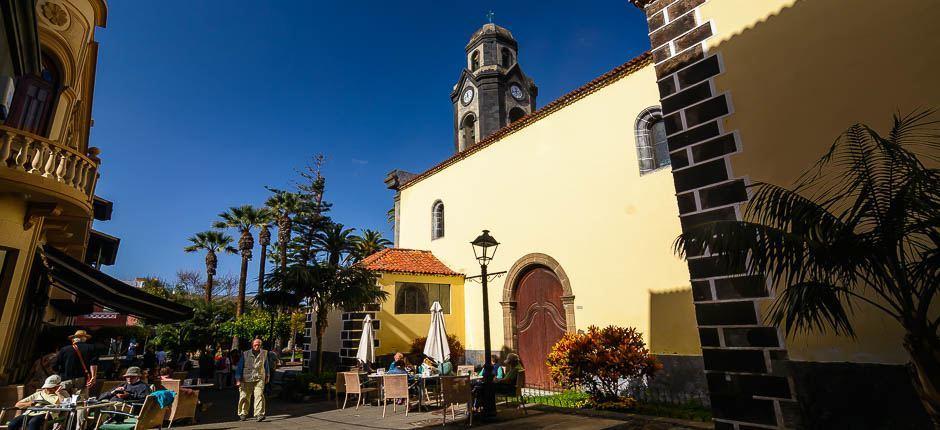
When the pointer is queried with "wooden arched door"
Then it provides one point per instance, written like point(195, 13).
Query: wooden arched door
point(540, 321)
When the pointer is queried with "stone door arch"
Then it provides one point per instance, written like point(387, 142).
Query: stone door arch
point(510, 286)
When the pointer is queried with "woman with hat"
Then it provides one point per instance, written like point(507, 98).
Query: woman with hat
point(51, 393)
point(132, 390)
point(77, 363)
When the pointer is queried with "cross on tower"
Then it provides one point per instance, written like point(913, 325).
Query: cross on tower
point(489, 16)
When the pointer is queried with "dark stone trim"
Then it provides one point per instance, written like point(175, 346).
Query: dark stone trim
point(656, 21)
point(699, 72)
point(693, 136)
point(724, 194)
point(735, 360)
point(764, 337)
point(710, 267)
point(701, 291)
point(706, 111)
point(741, 287)
point(682, 6)
point(723, 214)
point(697, 35)
point(740, 408)
point(667, 86)
point(673, 123)
point(749, 385)
point(700, 175)
point(679, 159)
point(714, 148)
point(708, 336)
point(672, 30)
point(686, 97)
point(679, 61)
point(687, 200)
point(726, 313)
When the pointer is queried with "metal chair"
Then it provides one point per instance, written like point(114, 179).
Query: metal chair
point(456, 390)
point(353, 386)
point(518, 392)
point(465, 370)
point(395, 387)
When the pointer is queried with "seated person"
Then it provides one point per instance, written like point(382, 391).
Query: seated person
point(132, 390)
point(507, 384)
point(51, 393)
point(399, 364)
point(497, 369)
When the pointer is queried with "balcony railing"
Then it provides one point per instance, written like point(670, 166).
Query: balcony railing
point(35, 155)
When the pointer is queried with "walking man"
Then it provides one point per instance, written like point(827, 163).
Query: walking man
point(78, 364)
point(251, 375)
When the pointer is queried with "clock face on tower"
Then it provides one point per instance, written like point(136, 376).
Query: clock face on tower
point(516, 92)
point(467, 96)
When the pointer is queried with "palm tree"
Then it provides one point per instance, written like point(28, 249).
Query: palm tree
point(213, 242)
point(862, 227)
point(283, 205)
point(336, 242)
point(325, 288)
point(266, 217)
point(369, 243)
point(242, 218)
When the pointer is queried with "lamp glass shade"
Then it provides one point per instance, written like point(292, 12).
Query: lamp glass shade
point(484, 247)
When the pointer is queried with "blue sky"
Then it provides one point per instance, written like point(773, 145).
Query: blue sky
point(199, 105)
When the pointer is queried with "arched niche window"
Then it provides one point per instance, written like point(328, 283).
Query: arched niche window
point(35, 96)
point(475, 60)
point(437, 220)
point(506, 58)
point(651, 147)
point(515, 113)
point(468, 131)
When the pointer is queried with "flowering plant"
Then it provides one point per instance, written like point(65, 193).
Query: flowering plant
point(599, 360)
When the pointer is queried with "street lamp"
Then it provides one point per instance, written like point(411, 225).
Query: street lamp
point(484, 247)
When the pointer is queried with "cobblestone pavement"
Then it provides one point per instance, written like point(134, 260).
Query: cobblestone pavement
point(220, 415)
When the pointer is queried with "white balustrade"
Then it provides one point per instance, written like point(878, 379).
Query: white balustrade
point(41, 157)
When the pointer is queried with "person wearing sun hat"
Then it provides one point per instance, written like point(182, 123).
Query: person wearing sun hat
point(51, 393)
point(77, 364)
point(132, 390)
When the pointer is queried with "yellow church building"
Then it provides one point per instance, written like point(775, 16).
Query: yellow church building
point(587, 194)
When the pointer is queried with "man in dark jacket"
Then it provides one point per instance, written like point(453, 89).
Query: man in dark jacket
point(77, 364)
point(132, 390)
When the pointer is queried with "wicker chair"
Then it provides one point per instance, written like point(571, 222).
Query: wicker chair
point(150, 416)
point(9, 395)
point(395, 387)
point(339, 387)
point(456, 390)
point(353, 386)
point(184, 403)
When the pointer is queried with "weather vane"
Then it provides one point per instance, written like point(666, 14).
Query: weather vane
point(490, 15)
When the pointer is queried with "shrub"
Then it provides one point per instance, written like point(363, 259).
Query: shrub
point(598, 360)
point(456, 349)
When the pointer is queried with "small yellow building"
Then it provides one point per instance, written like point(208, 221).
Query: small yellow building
point(414, 280)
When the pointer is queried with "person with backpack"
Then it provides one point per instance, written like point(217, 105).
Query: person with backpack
point(77, 364)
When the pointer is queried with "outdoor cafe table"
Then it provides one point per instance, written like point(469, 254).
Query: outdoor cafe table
point(422, 380)
point(198, 386)
point(72, 410)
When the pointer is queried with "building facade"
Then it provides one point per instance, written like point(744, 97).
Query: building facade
point(48, 175)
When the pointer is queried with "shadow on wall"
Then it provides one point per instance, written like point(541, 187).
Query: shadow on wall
point(799, 78)
point(674, 340)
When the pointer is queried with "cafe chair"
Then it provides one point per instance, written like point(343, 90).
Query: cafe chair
point(465, 370)
point(518, 392)
point(353, 386)
point(395, 387)
point(339, 387)
point(9, 395)
point(456, 390)
point(150, 416)
point(184, 405)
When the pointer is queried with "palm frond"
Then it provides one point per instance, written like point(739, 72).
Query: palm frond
point(812, 306)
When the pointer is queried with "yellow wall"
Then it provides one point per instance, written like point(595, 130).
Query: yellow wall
point(800, 73)
point(12, 235)
point(567, 186)
point(396, 332)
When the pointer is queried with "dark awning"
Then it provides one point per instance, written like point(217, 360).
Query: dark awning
point(86, 282)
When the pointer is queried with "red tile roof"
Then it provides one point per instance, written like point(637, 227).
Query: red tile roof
point(400, 260)
point(601, 81)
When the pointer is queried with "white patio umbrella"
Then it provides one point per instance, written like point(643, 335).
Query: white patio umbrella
point(366, 353)
point(436, 346)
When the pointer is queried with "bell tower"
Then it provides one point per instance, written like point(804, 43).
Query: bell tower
point(492, 90)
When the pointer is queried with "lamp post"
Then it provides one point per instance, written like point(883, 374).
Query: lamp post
point(484, 247)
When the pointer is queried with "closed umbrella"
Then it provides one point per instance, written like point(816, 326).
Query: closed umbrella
point(436, 346)
point(366, 353)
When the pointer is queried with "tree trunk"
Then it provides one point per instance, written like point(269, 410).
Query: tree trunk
point(208, 287)
point(925, 375)
point(264, 256)
point(242, 279)
point(320, 330)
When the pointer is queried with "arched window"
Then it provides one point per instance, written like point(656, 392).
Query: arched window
point(411, 299)
point(437, 220)
point(506, 58)
point(475, 60)
point(651, 147)
point(515, 113)
point(468, 131)
point(34, 99)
